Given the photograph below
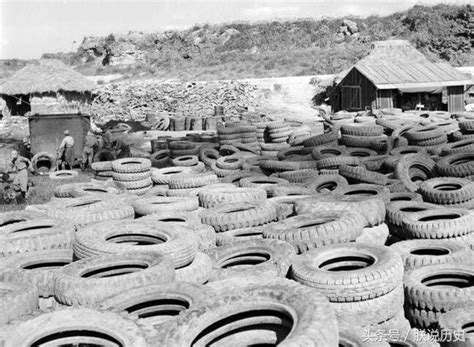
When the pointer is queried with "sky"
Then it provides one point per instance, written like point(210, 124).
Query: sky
point(30, 28)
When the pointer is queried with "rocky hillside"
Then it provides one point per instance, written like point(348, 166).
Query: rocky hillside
point(290, 48)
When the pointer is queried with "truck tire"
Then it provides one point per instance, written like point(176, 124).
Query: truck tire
point(257, 256)
point(260, 304)
point(349, 272)
point(136, 236)
point(432, 290)
point(311, 231)
point(421, 253)
point(239, 215)
point(88, 281)
point(35, 235)
point(131, 165)
point(37, 268)
point(82, 326)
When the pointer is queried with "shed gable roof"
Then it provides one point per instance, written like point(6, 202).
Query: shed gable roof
point(397, 75)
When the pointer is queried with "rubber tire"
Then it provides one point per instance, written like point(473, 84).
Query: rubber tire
point(424, 304)
point(32, 328)
point(324, 183)
point(371, 209)
point(320, 139)
point(7, 218)
point(243, 234)
point(135, 302)
point(307, 231)
point(433, 191)
point(371, 312)
point(410, 162)
point(457, 253)
point(43, 156)
point(380, 277)
point(456, 165)
point(405, 196)
point(314, 317)
point(90, 209)
point(34, 235)
point(129, 177)
point(299, 176)
point(137, 184)
point(208, 155)
point(72, 288)
point(188, 160)
point(366, 189)
point(230, 162)
point(157, 204)
point(186, 181)
point(75, 190)
point(162, 176)
point(436, 226)
point(336, 162)
point(63, 175)
point(214, 197)
point(15, 268)
point(360, 175)
point(97, 240)
point(239, 215)
point(279, 255)
point(131, 165)
point(198, 271)
point(266, 183)
point(235, 178)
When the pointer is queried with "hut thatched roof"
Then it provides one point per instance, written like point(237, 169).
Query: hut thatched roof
point(43, 76)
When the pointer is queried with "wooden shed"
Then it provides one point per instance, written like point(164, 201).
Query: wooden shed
point(401, 81)
point(47, 131)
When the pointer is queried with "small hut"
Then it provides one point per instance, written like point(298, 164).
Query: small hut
point(47, 86)
point(395, 74)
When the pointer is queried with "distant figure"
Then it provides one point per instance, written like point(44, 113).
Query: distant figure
point(107, 140)
point(25, 149)
point(120, 149)
point(20, 166)
point(66, 150)
point(90, 144)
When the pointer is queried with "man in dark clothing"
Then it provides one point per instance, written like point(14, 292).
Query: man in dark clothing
point(121, 149)
point(20, 166)
point(90, 144)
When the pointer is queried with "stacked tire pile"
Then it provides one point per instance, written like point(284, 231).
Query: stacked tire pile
point(278, 132)
point(361, 236)
point(133, 174)
point(361, 134)
point(466, 131)
point(102, 170)
point(238, 133)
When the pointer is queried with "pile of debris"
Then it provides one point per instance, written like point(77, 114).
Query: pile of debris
point(133, 100)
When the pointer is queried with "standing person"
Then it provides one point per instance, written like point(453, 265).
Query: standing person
point(20, 165)
point(25, 150)
point(121, 149)
point(90, 144)
point(107, 139)
point(66, 150)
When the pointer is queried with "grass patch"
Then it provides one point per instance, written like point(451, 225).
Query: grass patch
point(43, 190)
